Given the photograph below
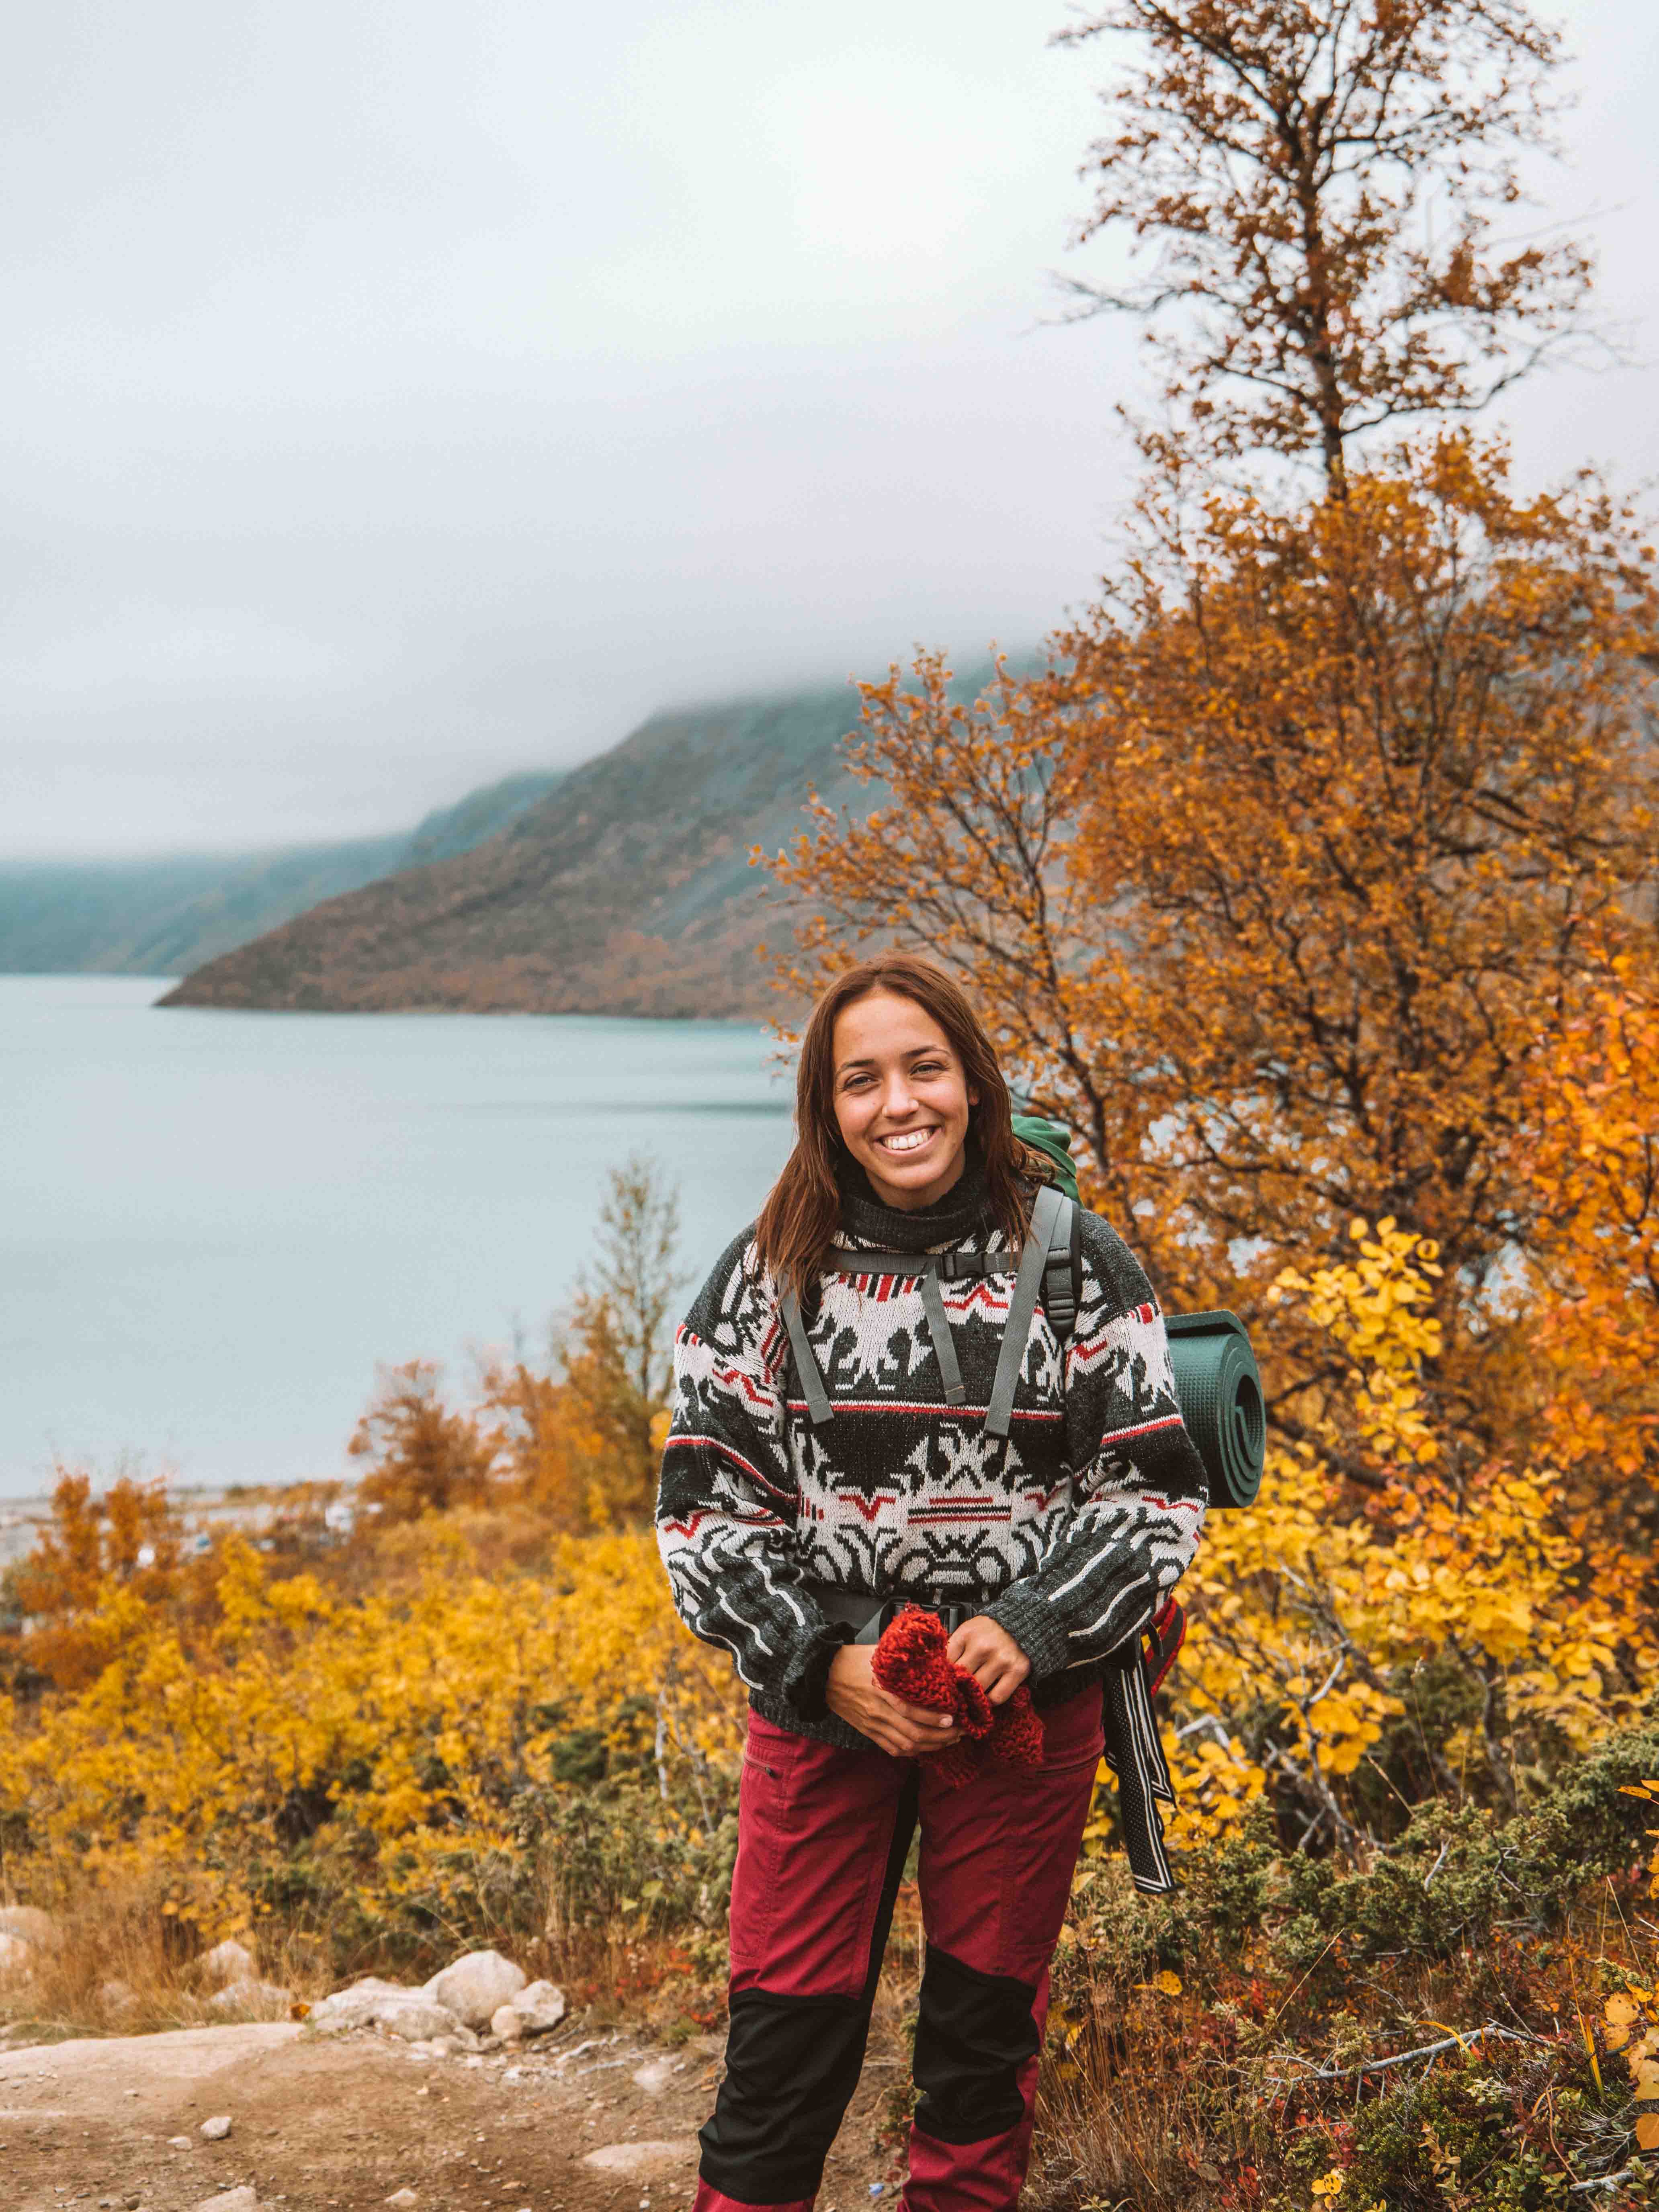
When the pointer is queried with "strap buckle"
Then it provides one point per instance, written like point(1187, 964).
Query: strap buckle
point(951, 1616)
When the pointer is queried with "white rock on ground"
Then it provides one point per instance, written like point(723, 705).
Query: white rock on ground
point(403, 2198)
point(643, 2162)
point(418, 2019)
point(28, 1922)
point(355, 2007)
point(477, 1985)
point(229, 1961)
point(242, 2199)
point(16, 1958)
point(534, 2011)
point(216, 2129)
point(410, 2013)
point(251, 2000)
point(386, 2005)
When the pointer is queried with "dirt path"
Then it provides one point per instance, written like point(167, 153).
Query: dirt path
point(591, 2120)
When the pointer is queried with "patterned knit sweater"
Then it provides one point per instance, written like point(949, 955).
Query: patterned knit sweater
point(1070, 1534)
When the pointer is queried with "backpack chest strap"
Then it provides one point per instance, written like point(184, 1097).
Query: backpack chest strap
point(1044, 1270)
point(949, 1266)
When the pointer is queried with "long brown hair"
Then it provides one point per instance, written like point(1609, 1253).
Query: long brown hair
point(798, 1222)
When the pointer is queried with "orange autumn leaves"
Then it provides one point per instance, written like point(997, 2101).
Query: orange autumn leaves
point(1276, 882)
point(1293, 886)
point(1630, 2029)
point(1592, 1154)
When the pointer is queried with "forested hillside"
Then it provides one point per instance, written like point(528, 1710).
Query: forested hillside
point(626, 891)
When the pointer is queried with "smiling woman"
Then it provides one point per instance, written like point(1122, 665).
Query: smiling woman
point(844, 1449)
point(898, 1083)
point(901, 1098)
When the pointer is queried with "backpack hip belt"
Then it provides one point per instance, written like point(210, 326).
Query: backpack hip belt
point(869, 1617)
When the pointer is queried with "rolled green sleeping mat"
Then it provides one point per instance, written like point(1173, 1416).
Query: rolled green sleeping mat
point(1220, 1387)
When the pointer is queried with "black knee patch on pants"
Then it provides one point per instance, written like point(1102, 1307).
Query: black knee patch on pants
point(975, 2032)
point(792, 2065)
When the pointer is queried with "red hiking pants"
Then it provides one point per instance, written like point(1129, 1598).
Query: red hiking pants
point(822, 1839)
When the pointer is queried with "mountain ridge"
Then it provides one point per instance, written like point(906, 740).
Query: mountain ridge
point(626, 890)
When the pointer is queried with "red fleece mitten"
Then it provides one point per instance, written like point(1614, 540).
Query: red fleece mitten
point(912, 1661)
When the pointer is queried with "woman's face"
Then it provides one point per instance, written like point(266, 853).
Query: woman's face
point(901, 1098)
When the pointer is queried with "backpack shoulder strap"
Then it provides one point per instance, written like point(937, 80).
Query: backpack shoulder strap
point(1062, 1273)
point(1035, 1254)
point(1047, 1270)
point(808, 1372)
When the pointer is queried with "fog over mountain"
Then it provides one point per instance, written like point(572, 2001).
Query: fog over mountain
point(165, 915)
point(404, 397)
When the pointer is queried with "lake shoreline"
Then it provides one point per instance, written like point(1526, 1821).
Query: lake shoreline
point(213, 1234)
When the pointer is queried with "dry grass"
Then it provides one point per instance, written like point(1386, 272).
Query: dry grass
point(119, 1963)
point(1133, 2135)
point(1235, 2083)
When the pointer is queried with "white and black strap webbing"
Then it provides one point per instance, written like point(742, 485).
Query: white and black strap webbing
point(1136, 1757)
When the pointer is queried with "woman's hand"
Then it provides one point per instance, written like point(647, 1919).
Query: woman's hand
point(904, 1731)
point(991, 1656)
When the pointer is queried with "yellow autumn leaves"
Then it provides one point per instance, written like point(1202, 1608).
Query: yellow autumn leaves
point(418, 1715)
point(1329, 2187)
point(1306, 1619)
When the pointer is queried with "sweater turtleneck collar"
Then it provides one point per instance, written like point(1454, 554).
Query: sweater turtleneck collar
point(960, 1213)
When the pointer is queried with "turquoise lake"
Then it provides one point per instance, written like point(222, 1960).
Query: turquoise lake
point(214, 1225)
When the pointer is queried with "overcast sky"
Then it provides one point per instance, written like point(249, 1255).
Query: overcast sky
point(399, 393)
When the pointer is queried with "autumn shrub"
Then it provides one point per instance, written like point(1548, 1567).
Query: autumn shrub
point(422, 1457)
point(1224, 2045)
point(1459, 1633)
point(572, 1441)
point(1415, 1733)
point(376, 1762)
point(130, 1534)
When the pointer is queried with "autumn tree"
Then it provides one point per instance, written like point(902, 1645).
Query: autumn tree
point(424, 1456)
point(576, 1438)
point(545, 1447)
point(1283, 877)
point(1275, 886)
point(1327, 192)
point(618, 1356)
point(128, 1538)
